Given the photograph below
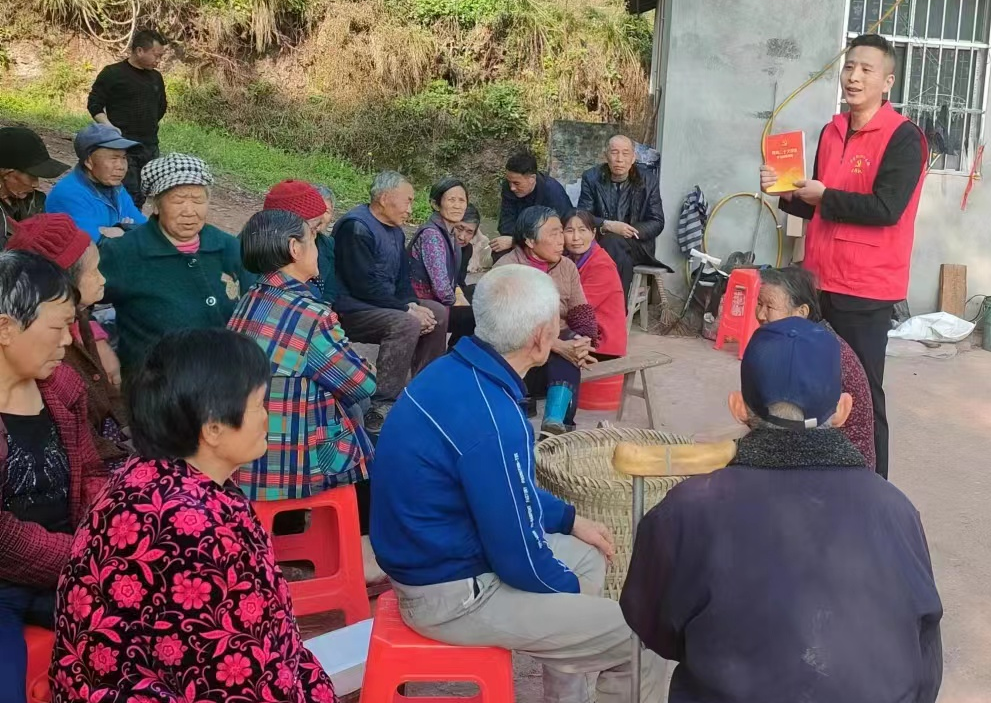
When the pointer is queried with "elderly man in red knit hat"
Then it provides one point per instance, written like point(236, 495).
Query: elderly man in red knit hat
point(58, 239)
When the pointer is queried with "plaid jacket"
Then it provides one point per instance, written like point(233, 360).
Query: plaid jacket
point(312, 443)
point(30, 555)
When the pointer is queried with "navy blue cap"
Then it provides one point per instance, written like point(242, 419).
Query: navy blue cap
point(792, 361)
point(99, 136)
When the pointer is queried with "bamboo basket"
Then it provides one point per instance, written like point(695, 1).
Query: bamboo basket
point(577, 467)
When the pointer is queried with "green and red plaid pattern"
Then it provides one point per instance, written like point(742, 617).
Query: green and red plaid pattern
point(312, 443)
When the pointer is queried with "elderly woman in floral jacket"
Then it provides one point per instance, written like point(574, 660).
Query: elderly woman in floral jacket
point(171, 592)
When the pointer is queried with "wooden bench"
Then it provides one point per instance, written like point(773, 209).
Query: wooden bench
point(628, 367)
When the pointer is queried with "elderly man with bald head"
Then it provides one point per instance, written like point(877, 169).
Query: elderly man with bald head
point(625, 199)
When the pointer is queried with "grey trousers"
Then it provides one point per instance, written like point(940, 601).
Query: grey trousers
point(574, 636)
point(403, 351)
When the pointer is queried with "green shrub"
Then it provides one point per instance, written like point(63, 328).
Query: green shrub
point(465, 12)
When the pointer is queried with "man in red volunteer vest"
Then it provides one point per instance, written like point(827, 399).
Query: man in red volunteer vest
point(862, 204)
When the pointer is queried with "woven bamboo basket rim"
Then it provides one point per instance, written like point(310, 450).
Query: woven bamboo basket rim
point(569, 447)
point(578, 468)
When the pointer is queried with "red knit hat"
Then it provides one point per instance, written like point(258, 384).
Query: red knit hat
point(298, 197)
point(54, 237)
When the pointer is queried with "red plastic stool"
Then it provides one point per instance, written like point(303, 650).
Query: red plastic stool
point(604, 394)
point(332, 544)
point(739, 318)
point(40, 643)
point(397, 655)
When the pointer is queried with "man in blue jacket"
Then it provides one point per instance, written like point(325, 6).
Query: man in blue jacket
point(477, 554)
point(92, 194)
point(796, 574)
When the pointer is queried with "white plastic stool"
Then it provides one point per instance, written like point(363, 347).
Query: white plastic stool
point(342, 654)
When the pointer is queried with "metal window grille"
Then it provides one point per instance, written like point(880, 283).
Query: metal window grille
point(941, 81)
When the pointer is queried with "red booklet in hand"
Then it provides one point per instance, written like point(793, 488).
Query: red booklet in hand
point(785, 153)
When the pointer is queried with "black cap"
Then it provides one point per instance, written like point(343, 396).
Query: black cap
point(22, 150)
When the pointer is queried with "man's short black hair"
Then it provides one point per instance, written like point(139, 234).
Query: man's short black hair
point(876, 41)
point(265, 240)
point(188, 379)
point(147, 38)
point(523, 163)
point(26, 281)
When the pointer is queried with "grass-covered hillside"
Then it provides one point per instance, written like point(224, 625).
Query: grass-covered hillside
point(425, 86)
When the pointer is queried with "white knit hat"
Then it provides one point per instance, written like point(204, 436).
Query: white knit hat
point(172, 170)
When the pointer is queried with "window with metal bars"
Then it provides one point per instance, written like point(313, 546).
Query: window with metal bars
point(941, 80)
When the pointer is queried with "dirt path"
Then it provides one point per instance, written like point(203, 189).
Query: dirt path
point(230, 206)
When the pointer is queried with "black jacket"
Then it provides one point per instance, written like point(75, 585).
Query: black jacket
point(645, 212)
point(547, 192)
point(794, 575)
point(133, 99)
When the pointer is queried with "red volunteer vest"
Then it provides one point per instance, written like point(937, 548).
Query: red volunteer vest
point(861, 260)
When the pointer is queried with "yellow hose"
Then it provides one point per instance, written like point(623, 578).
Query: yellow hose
point(763, 140)
point(705, 232)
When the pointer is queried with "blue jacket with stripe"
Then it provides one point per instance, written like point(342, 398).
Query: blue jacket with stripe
point(453, 481)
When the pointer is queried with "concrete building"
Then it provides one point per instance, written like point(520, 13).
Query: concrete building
point(716, 63)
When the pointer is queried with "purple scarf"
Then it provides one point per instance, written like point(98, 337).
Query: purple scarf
point(582, 259)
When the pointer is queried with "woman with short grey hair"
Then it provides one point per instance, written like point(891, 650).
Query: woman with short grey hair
point(539, 243)
point(175, 271)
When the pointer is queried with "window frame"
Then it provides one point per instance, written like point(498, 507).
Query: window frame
point(973, 139)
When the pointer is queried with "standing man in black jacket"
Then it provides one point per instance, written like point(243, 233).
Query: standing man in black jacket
point(130, 95)
point(796, 573)
point(626, 202)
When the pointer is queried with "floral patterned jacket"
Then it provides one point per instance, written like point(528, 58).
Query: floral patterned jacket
point(172, 595)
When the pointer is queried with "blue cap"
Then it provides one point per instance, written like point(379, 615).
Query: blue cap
point(792, 361)
point(99, 136)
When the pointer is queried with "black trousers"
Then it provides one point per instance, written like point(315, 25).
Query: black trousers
point(864, 324)
point(460, 323)
point(136, 160)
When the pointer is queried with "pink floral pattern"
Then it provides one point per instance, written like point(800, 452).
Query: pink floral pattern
point(123, 530)
point(79, 602)
point(192, 522)
point(127, 591)
point(172, 595)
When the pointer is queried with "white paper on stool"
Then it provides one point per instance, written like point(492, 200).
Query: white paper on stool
point(342, 654)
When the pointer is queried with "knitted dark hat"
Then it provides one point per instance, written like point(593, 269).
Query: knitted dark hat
point(298, 197)
point(54, 237)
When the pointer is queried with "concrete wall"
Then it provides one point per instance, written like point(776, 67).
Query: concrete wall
point(946, 235)
point(723, 59)
point(577, 146)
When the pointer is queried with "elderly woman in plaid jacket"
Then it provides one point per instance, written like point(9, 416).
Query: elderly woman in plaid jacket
point(316, 375)
point(49, 467)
